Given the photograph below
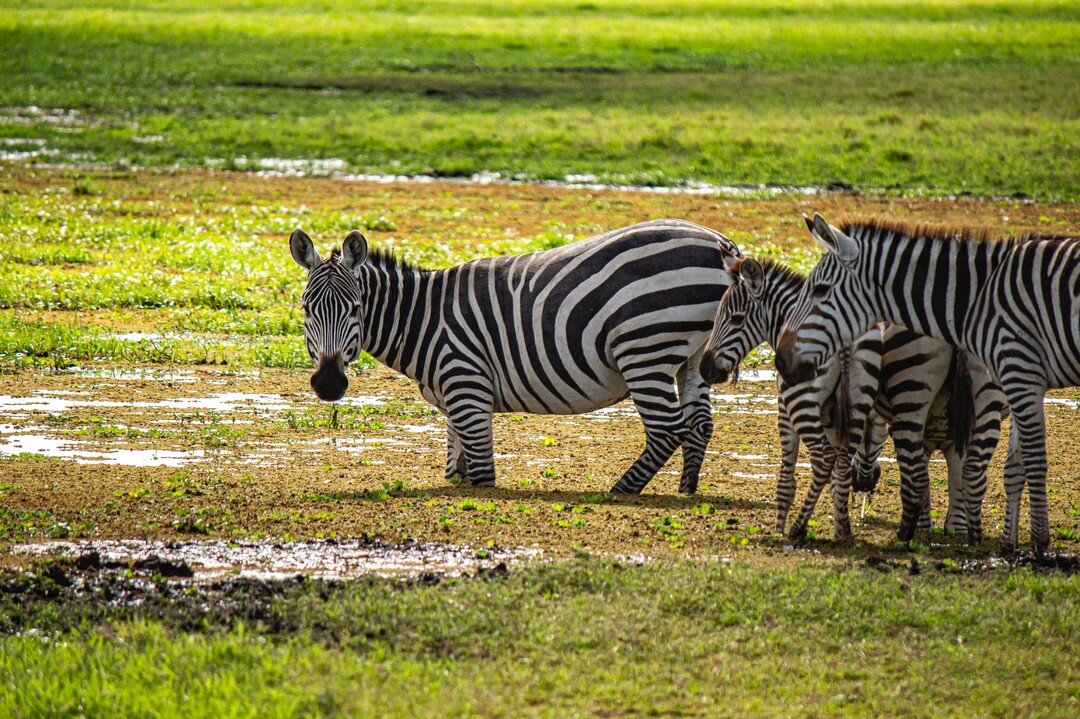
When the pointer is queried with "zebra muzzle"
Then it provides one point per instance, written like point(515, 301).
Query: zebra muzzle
point(711, 371)
point(329, 380)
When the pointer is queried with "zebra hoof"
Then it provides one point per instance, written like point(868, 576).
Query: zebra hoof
point(906, 532)
point(688, 487)
point(483, 483)
point(1007, 550)
point(797, 534)
point(841, 532)
point(1039, 547)
point(621, 488)
point(974, 537)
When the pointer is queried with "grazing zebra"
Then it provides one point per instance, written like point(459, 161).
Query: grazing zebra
point(1014, 304)
point(829, 413)
point(564, 331)
point(934, 398)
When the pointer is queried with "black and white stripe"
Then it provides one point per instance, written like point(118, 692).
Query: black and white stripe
point(564, 331)
point(935, 398)
point(829, 412)
point(1013, 304)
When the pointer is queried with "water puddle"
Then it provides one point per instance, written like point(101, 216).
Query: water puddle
point(268, 561)
point(76, 451)
point(56, 401)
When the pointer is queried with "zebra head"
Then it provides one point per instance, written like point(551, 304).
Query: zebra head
point(834, 307)
point(741, 321)
point(333, 322)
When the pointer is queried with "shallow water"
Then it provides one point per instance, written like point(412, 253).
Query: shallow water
point(322, 559)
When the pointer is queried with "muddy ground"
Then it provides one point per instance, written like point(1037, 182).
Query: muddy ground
point(194, 454)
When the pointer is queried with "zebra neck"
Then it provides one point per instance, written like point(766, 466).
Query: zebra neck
point(394, 307)
point(782, 297)
point(930, 284)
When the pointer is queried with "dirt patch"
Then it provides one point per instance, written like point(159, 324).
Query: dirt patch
point(274, 462)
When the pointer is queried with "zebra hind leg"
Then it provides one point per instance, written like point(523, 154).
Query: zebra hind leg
point(841, 491)
point(697, 412)
point(658, 404)
point(956, 517)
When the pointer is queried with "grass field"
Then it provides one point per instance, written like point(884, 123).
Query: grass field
point(154, 386)
point(939, 97)
point(586, 638)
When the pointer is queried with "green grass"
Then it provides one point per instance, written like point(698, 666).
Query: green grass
point(717, 640)
point(942, 97)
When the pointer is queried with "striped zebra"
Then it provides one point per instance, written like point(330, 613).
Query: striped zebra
point(563, 331)
point(829, 413)
point(1014, 304)
point(934, 398)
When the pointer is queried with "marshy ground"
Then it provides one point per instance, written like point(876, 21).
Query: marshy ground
point(166, 473)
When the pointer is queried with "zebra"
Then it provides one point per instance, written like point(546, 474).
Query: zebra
point(934, 398)
point(829, 413)
point(563, 331)
point(1013, 304)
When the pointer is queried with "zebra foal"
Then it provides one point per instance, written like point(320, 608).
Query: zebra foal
point(829, 413)
point(1014, 304)
point(563, 331)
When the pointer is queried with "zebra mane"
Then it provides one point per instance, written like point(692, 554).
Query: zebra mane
point(385, 259)
point(772, 267)
point(928, 230)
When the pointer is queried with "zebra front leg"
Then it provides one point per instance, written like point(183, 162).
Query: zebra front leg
point(697, 412)
point(470, 416)
point(456, 464)
point(789, 457)
point(822, 460)
point(665, 429)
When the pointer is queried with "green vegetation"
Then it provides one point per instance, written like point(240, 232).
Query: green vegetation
point(720, 639)
point(942, 96)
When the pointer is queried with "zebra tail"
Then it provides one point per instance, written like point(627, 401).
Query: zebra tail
point(843, 401)
point(961, 404)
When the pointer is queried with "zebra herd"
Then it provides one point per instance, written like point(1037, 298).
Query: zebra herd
point(925, 334)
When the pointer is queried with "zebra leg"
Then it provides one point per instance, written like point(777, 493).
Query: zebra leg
point(1014, 489)
point(976, 463)
point(456, 465)
point(1029, 423)
point(913, 462)
point(841, 490)
point(469, 414)
point(956, 517)
point(785, 483)
point(697, 414)
point(822, 459)
point(657, 402)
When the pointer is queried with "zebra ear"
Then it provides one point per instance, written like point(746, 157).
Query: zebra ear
point(833, 240)
point(303, 250)
point(354, 250)
point(753, 276)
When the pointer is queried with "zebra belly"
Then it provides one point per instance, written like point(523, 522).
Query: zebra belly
point(611, 390)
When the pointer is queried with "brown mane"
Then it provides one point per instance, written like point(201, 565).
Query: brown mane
point(929, 230)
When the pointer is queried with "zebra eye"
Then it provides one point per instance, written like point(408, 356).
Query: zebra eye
point(737, 319)
point(821, 290)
